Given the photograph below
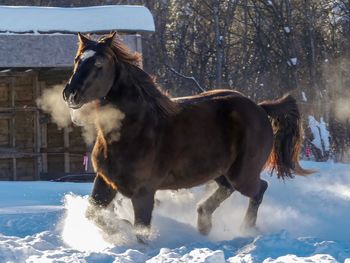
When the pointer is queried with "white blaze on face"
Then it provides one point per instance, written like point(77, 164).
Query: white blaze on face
point(87, 54)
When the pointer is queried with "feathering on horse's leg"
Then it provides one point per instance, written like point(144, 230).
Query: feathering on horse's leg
point(101, 209)
point(207, 208)
point(254, 203)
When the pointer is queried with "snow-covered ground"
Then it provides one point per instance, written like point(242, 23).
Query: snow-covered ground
point(300, 220)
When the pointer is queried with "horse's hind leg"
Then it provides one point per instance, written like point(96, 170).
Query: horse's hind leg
point(143, 203)
point(254, 203)
point(207, 208)
point(244, 175)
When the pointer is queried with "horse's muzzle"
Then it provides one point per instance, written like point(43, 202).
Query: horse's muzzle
point(71, 97)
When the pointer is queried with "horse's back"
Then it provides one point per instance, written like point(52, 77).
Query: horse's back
point(229, 102)
point(207, 95)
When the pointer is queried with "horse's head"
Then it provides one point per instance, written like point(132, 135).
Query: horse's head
point(95, 70)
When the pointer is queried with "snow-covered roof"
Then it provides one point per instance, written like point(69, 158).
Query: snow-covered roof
point(30, 19)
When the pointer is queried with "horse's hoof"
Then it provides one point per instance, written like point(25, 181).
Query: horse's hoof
point(204, 224)
point(142, 239)
point(142, 234)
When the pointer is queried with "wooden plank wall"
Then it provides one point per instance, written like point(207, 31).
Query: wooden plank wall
point(17, 118)
point(32, 147)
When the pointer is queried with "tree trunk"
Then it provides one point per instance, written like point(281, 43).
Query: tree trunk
point(218, 45)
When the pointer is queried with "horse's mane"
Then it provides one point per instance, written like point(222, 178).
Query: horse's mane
point(150, 91)
point(123, 52)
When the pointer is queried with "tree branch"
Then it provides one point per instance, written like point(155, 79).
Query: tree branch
point(199, 87)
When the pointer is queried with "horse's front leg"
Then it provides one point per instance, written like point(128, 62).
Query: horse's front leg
point(101, 196)
point(102, 192)
point(143, 203)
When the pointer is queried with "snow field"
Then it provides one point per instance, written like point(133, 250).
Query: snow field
point(301, 220)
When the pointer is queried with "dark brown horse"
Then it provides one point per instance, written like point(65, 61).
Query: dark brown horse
point(168, 143)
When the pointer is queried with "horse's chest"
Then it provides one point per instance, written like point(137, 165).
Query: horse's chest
point(125, 163)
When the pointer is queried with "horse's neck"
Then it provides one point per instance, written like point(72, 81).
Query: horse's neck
point(136, 94)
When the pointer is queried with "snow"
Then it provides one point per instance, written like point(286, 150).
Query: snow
point(292, 62)
point(320, 134)
point(300, 220)
point(81, 19)
point(304, 96)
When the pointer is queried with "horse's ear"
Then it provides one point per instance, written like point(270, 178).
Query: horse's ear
point(109, 39)
point(83, 39)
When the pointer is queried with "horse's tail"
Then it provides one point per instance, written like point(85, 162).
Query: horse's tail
point(288, 133)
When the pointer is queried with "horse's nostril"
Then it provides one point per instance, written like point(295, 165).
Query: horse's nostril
point(69, 94)
point(74, 95)
point(65, 93)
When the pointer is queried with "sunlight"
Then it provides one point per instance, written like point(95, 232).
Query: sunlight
point(339, 190)
point(79, 232)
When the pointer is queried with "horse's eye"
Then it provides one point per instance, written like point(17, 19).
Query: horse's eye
point(98, 64)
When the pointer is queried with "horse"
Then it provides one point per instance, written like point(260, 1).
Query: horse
point(166, 143)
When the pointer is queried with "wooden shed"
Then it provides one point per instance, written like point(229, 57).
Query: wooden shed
point(37, 49)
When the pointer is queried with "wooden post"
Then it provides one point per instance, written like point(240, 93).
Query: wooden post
point(37, 135)
point(66, 151)
point(43, 132)
point(43, 129)
point(66, 145)
point(12, 129)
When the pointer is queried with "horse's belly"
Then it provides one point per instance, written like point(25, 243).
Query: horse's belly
point(178, 181)
point(190, 176)
point(199, 164)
